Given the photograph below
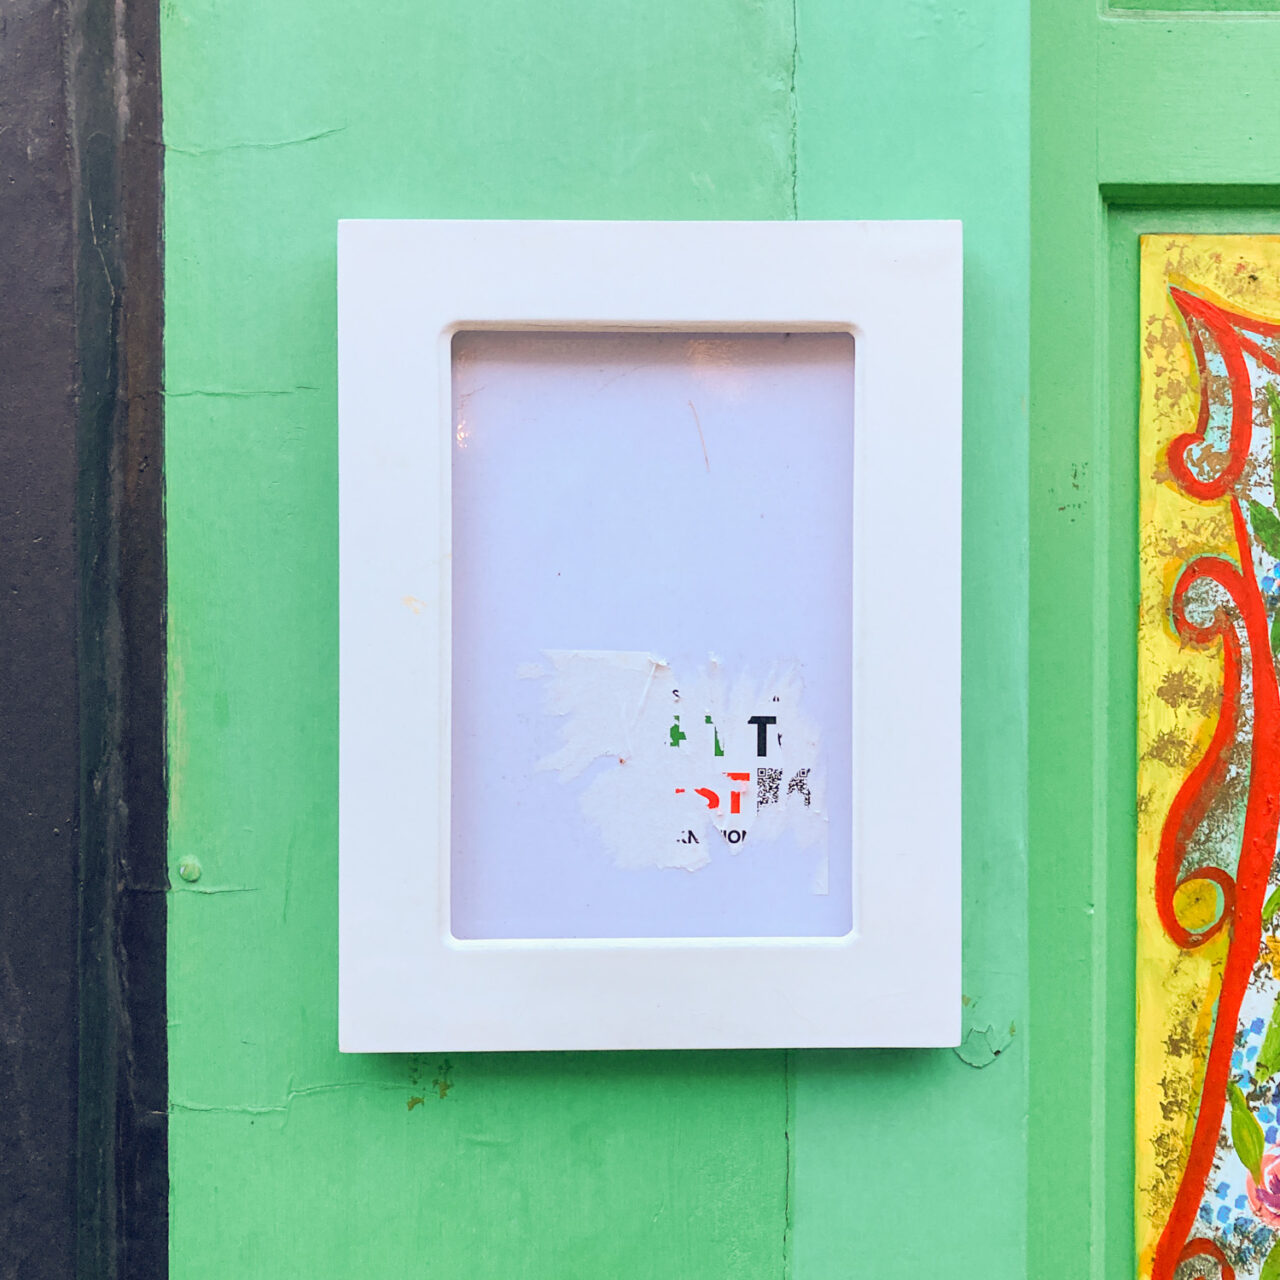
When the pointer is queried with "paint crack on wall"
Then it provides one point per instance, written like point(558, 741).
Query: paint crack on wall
point(211, 889)
point(249, 145)
point(280, 1108)
point(237, 393)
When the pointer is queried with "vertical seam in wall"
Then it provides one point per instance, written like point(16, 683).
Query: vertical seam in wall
point(793, 111)
point(789, 1155)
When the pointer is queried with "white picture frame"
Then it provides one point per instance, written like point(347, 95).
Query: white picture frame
point(405, 288)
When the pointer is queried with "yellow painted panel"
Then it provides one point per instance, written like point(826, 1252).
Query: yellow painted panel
point(1208, 1063)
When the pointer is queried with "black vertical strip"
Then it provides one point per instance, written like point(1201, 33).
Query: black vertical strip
point(114, 119)
point(83, 1167)
point(39, 735)
point(142, 1147)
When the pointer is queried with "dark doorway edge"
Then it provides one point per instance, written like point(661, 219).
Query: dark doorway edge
point(113, 88)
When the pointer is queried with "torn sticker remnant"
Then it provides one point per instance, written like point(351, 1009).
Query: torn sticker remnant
point(698, 760)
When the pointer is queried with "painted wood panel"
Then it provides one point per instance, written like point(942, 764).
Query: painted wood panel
point(921, 111)
point(1207, 696)
point(287, 1158)
point(1132, 133)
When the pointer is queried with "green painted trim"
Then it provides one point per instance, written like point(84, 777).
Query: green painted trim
point(1185, 99)
point(1065, 1222)
point(1158, 7)
point(1191, 195)
point(1083, 700)
point(1125, 227)
point(1115, 985)
point(1119, 146)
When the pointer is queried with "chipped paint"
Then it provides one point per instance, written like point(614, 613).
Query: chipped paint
point(986, 1037)
point(443, 1079)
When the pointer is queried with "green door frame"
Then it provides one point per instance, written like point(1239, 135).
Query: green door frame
point(1141, 121)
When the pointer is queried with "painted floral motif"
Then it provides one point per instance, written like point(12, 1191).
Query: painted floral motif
point(1209, 778)
point(1265, 1196)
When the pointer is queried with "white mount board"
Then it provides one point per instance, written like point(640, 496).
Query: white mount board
point(657, 528)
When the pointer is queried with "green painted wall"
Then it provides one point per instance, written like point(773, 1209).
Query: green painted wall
point(288, 1159)
point(919, 110)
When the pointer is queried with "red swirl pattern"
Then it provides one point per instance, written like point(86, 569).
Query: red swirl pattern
point(1194, 796)
point(1225, 327)
point(1243, 894)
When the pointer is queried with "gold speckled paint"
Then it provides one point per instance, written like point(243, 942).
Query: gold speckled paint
point(1179, 694)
